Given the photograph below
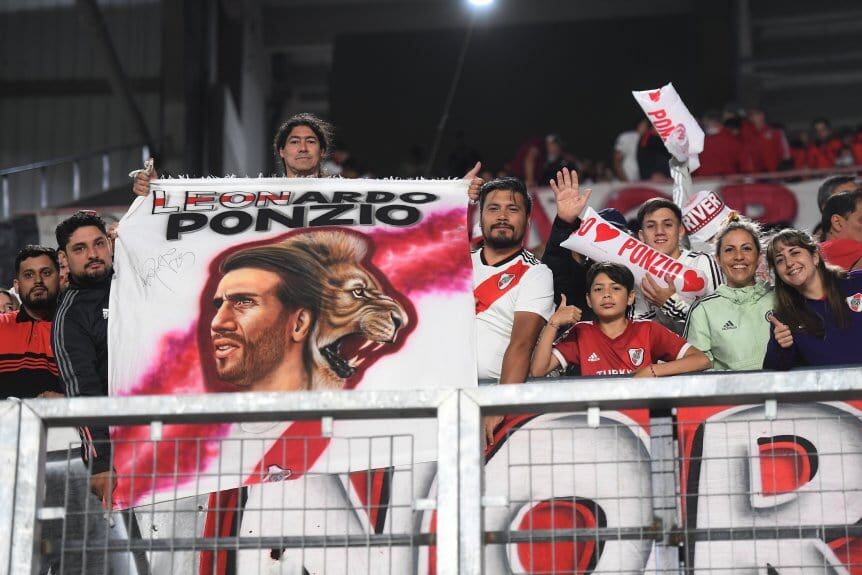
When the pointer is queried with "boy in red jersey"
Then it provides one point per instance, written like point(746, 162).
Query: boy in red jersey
point(613, 344)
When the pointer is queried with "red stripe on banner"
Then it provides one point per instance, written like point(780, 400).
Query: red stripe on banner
point(294, 453)
point(221, 512)
point(489, 291)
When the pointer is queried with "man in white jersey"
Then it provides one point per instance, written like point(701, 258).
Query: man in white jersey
point(660, 225)
point(514, 291)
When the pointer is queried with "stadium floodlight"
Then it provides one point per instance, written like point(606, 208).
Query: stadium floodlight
point(480, 2)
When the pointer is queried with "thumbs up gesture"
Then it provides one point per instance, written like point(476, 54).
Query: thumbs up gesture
point(781, 332)
point(565, 314)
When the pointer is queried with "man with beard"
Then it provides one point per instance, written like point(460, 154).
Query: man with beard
point(81, 331)
point(514, 291)
point(266, 306)
point(27, 364)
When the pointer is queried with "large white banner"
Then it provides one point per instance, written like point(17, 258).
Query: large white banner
point(284, 285)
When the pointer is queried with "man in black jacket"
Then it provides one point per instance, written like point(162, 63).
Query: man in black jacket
point(80, 329)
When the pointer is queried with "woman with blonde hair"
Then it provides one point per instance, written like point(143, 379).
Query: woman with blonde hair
point(731, 325)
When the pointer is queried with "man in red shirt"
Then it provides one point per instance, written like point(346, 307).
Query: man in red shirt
point(768, 145)
point(27, 364)
point(825, 147)
point(722, 147)
point(842, 230)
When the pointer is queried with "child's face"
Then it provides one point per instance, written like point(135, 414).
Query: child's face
point(609, 299)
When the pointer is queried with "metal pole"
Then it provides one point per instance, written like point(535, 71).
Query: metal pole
point(29, 476)
point(116, 76)
point(450, 97)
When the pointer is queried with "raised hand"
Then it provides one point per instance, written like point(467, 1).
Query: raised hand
point(141, 187)
point(565, 314)
point(570, 201)
point(781, 332)
point(475, 183)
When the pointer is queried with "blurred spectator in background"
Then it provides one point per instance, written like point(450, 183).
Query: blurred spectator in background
point(767, 145)
point(799, 150)
point(335, 165)
point(462, 157)
point(653, 157)
point(841, 227)
point(528, 161)
point(722, 146)
point(856, 145)
point(8, 301)
point(823, 150)
point(626, 153)
point(556, 158)
point(414, 165)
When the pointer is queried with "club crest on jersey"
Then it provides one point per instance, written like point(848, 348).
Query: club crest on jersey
point(636, 355)
point(505, 280)
point(855, 302)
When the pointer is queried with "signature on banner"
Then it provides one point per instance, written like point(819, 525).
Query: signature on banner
point(166, 267)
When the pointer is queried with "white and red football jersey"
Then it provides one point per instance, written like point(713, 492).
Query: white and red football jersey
point(642, 343)
point(519, 283)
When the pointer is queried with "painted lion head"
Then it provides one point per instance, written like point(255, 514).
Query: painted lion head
point(357, 319)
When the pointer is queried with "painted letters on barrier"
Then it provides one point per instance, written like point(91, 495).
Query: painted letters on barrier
point(799, 471)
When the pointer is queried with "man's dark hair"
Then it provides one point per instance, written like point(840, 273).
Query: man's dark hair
point(321, 128)
point(32, 251)
point(842, 205)
point(79, 219)
point(617, 272)
point(655, 204)
point(827, 188)
point(513, 185)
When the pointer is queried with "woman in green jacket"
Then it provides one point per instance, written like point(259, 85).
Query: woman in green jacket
point(731, 325)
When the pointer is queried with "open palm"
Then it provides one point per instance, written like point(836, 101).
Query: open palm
point(570, 201)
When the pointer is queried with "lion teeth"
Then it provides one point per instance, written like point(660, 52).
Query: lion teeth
point(355, 361)
point(366, 344)
point(378, 346)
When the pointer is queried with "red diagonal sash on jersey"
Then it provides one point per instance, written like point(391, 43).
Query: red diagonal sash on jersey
point(489, 291)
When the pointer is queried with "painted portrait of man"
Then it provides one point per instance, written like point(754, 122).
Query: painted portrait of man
point(302, 313)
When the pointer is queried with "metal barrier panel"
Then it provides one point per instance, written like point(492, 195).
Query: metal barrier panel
point(579, 479)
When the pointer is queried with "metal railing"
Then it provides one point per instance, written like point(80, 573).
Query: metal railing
point(463, 503)
point(45, 184)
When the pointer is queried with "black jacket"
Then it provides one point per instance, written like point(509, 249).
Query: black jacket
point(570, 277)
point(81, 349)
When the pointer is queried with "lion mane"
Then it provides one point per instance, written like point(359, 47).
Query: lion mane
point(357, 320)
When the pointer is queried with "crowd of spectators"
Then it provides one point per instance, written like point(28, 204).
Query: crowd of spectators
point(563, 314)
point(737, 141)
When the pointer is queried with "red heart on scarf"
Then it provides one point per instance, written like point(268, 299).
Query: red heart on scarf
point(654, 96)
point(691, 281)
point(604, 232)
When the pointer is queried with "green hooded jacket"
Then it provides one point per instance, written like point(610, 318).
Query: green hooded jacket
point(731, 327)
